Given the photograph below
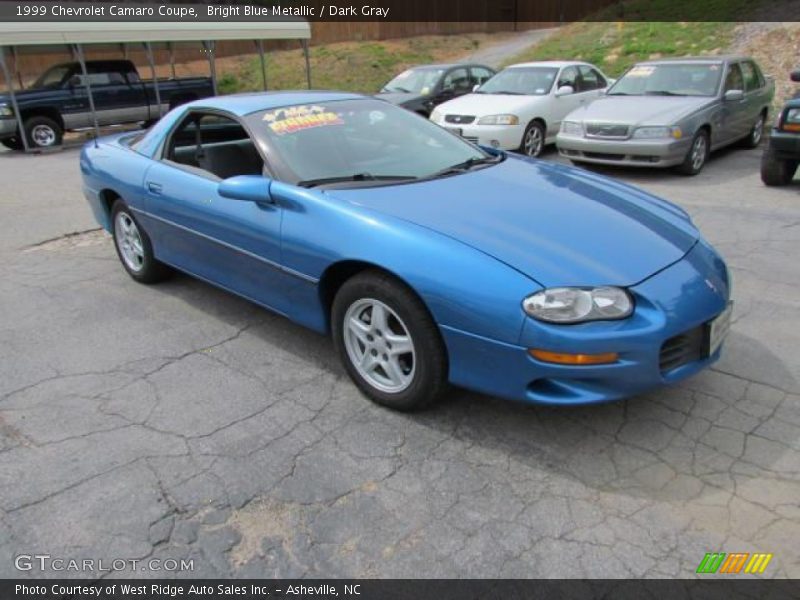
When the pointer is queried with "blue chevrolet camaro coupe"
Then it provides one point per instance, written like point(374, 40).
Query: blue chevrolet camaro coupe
point(429, 260)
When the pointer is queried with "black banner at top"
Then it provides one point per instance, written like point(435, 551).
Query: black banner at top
point(509, 11)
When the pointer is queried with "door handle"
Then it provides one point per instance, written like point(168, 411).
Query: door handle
point(154, 188)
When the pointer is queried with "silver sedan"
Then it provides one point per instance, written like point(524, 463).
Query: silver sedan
point(669, 113)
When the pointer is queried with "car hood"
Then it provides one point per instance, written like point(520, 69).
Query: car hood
point(556, 224)
point(398, 98)
point(640, 110)
point(487, 104)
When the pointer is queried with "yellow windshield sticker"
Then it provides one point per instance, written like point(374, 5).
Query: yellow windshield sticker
point(297, 118)
point(643, 71)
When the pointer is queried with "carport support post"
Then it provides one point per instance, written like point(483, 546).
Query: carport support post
point(12, 95)
point(210, 48)
point(260, 47)
point(82, 60)
point(171, 49)
point(149, 50)
point(308, 62)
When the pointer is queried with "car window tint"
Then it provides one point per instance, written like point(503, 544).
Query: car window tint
point(569, 76)
point(215, 144)
point(481, 75)
point(456, 80)
point(734, 80)
point(751, 76)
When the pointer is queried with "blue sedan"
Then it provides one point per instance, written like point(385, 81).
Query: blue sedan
point(428, 259)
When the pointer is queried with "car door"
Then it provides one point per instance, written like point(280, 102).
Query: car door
point(735, 119)
point(563, 105)
point(479, 75)
point(454, 83)
point(754, 91)
point(232, 243)
point(116, 99)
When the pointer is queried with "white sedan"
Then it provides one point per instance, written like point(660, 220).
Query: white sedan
point(521, 108)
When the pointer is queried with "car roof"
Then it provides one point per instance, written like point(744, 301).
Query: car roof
point(549, 63)
point(244, 104)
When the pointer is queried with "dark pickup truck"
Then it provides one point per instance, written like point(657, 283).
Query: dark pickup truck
point(782, 155)
point(58, 100)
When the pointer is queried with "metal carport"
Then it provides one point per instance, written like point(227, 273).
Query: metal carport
point(75, 34)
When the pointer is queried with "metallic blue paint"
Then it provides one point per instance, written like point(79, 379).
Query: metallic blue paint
point(472, 246)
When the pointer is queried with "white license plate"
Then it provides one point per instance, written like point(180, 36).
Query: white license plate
point(456, 130)
point(718, 329)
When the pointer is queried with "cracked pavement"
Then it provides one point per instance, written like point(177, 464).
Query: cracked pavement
point(178, 421)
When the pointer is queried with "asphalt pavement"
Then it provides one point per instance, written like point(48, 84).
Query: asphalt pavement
point(177, 421)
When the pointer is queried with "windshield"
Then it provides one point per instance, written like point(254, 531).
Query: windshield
point(414, 81)
point(362, 139)
point(53, 77)
point(528, 81)
point(669, 80)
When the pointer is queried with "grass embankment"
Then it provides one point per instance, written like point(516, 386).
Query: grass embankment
point(351, 66)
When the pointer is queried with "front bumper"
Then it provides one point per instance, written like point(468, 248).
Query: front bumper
point(678, 300)
point(505, 137)
point(628, 152)
point(785, 145)
point(8, 127)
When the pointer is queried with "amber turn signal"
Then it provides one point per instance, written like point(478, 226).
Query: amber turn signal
point(561, 358)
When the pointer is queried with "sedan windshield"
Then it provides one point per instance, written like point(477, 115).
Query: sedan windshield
point(414, 81)
point(669, 80)
point(362, 141)
point(528, 81)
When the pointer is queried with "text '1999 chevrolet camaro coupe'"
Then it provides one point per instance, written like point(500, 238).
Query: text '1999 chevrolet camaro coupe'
point(430, 260)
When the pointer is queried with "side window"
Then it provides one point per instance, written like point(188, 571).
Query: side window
point(456, 80)
point(591, 79)
point(734, 79)
point(752, 79)
point(213, 145)
point(569, 76)
point(481, 75)
point(98, 79)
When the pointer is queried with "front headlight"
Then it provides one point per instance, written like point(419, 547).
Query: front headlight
point(658, 133)
point(571, 128)
point(499, 120)
point(5, 111)
point(791, 122)
point(436, 116)
point(577, 305)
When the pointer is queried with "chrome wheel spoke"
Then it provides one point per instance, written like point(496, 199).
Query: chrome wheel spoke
point(394, 372)
point(129, 242)
point(399, 344)
point(378, 318)
point(359, 329)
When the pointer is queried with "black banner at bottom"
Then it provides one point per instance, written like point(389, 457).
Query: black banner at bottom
point(397, 589)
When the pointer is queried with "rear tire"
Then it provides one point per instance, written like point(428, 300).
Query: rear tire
point(776, 171)
point(388, 342)
point(697, 156)
point(43, 133)
point(133, 246)
point(756, 134)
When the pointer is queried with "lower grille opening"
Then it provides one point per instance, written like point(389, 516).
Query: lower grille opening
point(682, 349)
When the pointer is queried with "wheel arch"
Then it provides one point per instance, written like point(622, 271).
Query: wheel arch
point(50, 112)
point(107, 199)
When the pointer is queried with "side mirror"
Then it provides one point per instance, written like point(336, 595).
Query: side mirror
point(74, 81)
point(734, 95)
point(795, 76)
point(565, 90)
point(475, 87)
point(252, 188)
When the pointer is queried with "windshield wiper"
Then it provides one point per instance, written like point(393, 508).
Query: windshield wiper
point(462, 167)
point(662, 93)
point(618, 94)
point(397, 89)
point(309, 183)
point(508, 93)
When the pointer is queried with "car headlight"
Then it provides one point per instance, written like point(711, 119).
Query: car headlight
point(571, 127)
point(5, 111)
point(791, 122)
point(436, 116)
point(577, 305)
point(499, 120)
point(658, 132)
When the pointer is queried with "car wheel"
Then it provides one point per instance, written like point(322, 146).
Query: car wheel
point(388, 343)
point(533, 139)
point(756, 134)
point(697, 155)
point(43, 132)
point(775, 172)
point(133, 246)
point(13, 143)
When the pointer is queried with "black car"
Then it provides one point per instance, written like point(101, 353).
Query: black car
point(420, 89)
point(782, 155)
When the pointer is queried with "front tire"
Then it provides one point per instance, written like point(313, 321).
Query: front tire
point(133, 247)
point(43, 133)
point(775, 171)
point(533, 140)
point(697, 156)
point(388, 343)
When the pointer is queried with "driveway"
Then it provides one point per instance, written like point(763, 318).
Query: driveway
point(496, 54)
point(177, 421)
